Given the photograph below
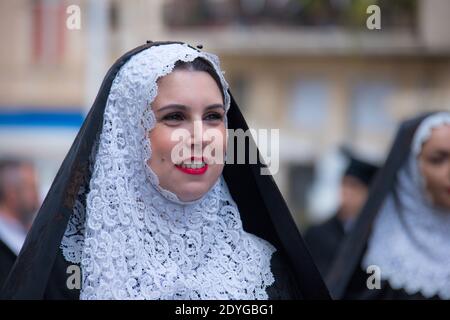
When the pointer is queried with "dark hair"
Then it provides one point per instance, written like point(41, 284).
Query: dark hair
point(200, 64)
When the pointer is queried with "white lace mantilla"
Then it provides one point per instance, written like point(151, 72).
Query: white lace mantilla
point(135, 240)
point(410, 241)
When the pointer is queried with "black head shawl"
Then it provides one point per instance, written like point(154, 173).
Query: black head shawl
point(362, 170)
point(40, 267)
point(345, 266)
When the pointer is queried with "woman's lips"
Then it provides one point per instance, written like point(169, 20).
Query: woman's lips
point(193, 167)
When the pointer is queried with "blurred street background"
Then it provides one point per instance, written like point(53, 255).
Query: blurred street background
point(310, 68)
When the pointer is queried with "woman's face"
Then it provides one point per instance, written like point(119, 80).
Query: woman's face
point(187, 102)
point(434, 161)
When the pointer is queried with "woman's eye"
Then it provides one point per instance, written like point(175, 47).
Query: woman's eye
point(173, 117)
point(214, 116)
point(437, 160)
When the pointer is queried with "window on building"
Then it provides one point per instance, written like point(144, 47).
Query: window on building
point(48, 31)
point(370, 107)
point(310, 104)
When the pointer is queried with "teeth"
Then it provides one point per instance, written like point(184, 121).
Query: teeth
point(193, 165)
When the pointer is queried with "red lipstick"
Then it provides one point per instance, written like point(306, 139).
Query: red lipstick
point(190, 170)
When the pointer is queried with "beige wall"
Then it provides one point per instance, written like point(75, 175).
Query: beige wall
point(23, 82)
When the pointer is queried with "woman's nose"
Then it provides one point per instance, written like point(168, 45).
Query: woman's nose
point(196, 134)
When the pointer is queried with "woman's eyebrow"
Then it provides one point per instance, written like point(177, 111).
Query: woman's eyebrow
point(215, 106)
point(173, 106)
point(183, 107)
point(441, 152)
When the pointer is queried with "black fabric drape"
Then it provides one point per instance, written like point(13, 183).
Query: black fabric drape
point(40, 269)
point(323, 241)
point(346, 267)
point(7, 258)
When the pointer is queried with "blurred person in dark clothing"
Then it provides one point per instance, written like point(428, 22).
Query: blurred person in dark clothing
point(18, 203)
point(323, 240)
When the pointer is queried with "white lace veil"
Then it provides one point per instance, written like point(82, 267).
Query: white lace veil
point(135, 240)
point(410, 241)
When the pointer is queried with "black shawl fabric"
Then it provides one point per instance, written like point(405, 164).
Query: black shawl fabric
point(323, 241)
point(40, 269)
point(346, 279)
point(7, 258)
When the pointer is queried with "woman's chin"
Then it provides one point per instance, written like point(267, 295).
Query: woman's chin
point(193, 191)
point(190, 197)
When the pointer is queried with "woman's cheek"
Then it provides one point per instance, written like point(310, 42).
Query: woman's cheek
point(433, 180)
point(165, 143)
point(223, 143)
point(168, 144)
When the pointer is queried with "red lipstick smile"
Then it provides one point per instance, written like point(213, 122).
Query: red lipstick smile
point(195, 167)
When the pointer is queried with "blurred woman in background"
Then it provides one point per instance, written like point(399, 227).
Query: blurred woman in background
point(400, 247)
